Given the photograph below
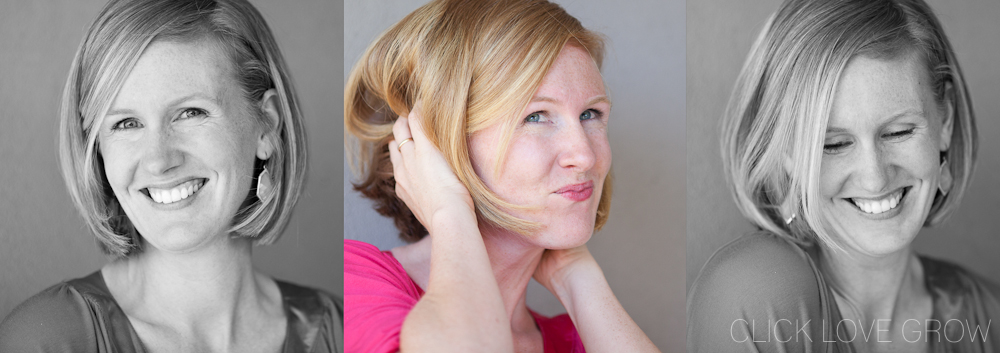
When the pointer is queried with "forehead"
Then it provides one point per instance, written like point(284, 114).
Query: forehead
point(573, 73)
point(175, 69)
point(872, 89)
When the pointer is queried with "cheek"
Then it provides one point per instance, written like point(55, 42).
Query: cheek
point(920, 157)
point(117, 165)
point(602, 152)
point(527, 166)
point(832, 176)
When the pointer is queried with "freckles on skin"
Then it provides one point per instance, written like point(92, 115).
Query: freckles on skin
point(887, 123)
point(557, 150)
point(189, 122)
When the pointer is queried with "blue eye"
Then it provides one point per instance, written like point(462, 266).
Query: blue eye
point(591, 114)
point(533, 118)
point(126, 124)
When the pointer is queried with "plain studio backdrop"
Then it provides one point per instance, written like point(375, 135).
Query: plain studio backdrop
point(720, 33)
point(641, 249)
point(43, 239)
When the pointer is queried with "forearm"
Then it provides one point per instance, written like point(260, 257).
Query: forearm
point(461, 310)
point(600, 319)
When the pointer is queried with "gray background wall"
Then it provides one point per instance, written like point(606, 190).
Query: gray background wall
point(641, 249)
point(719, 35)
point(43, 239)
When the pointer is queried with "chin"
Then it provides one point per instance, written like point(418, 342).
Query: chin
point(177, 240)
point(563, 236)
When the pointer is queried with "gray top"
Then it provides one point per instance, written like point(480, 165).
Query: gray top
point(80, 315)
point(764, 293)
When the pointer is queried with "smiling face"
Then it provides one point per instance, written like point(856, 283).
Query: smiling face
point(880, 167)
point(179, 143)
point(559, 154)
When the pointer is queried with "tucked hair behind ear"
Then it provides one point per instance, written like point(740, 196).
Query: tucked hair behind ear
point(109, 51)
point(471, 64)
point(774, 127)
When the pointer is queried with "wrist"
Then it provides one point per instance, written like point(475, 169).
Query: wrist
point(453, 219)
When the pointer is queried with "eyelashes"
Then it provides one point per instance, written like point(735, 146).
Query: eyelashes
point(541, 116)
point(836, 147)
point(131, 123)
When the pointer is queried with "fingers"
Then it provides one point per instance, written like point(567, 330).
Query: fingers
point(415, 123)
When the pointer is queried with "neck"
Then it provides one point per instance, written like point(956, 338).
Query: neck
point(888, 286)
point(208, 287)
point(513, 261)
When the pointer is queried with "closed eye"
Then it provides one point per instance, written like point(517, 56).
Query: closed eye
point(899, 134)
point(836, 147)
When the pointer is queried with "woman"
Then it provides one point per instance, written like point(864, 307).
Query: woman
point(849, 130)
point(497, 171)
point(182, 146)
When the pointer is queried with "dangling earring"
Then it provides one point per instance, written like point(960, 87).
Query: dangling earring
point(264, 185)
point(789, 219)
point(946, 180)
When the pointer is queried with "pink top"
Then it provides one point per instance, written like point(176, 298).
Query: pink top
point(378, 294)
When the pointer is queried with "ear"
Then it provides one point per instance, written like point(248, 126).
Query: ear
point(948, 121)
point(269, 106)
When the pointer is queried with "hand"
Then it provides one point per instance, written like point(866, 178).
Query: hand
point(559, 268)
point(424, 179)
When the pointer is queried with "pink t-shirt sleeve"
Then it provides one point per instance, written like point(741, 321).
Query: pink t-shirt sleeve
point(377, 296)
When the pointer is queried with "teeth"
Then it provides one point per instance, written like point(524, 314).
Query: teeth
point(879, 206)
point(179, 192)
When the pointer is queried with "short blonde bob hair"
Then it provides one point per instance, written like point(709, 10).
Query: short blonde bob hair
point(781, 105)
point(473, 64)
point(113, 45)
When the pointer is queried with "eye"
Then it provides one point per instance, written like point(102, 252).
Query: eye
point(192, 113)
point(591, 114)
point(836, 146)
point(897, 135)
point(533, 117)
point(126, 124)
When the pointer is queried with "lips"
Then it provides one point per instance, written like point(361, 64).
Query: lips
point(176, 193)
point(577, 192)
point(881, 204)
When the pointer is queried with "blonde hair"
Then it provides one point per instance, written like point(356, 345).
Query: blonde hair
point(113, 45)
point(782, 100)
point(473, 64)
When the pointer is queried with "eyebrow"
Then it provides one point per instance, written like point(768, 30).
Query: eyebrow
point(907, 112)
point(595, 100)
point(173, 103)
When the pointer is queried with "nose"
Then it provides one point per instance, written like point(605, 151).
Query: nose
point(874, 172)
point(576, 150)
point(160, 153)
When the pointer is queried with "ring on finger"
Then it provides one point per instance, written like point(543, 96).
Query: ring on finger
point(399, 147)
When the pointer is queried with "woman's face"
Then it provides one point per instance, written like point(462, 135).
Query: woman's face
point(179, 145)
point(880, 165)
point(559, 154)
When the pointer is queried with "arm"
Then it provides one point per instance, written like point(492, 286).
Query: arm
point(577, 280)
point(461, 310)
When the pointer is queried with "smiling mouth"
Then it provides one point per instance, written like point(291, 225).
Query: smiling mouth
point(174, 194)
point(880, 205)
